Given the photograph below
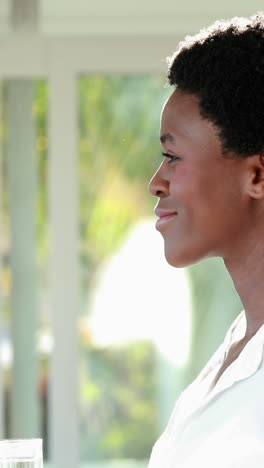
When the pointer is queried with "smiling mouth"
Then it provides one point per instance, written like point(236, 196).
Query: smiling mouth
point(163, 220)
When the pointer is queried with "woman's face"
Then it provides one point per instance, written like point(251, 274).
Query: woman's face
point(201, 204)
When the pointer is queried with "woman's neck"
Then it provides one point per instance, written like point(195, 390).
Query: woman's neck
point(247, 273)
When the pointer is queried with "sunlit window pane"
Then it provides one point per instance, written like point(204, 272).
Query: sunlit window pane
point(119, 151)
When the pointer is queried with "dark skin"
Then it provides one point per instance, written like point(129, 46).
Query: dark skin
point(211, 205)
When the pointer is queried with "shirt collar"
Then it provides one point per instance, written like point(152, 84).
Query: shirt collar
point(249, 360)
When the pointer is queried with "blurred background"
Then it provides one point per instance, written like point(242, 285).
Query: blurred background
point(98, 335)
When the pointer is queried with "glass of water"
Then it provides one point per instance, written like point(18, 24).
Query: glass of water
point(23, 453)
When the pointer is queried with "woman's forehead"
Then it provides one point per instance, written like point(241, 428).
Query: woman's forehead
point(181, 118)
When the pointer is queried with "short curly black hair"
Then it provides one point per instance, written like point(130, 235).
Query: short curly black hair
point(223, 66)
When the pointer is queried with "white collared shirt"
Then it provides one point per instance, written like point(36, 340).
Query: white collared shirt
point(222, 427)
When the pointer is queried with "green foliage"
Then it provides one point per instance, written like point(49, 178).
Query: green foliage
point(118, 401)
point(119, 117)
point(119, 151)
point(40, 111)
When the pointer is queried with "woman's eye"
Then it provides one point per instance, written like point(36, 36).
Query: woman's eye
point(171, 157)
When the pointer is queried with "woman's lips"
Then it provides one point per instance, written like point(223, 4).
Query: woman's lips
point(164, 217)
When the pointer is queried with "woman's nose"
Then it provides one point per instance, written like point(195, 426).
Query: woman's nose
point(158, 185)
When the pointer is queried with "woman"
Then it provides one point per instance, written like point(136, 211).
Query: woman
point(210, 189)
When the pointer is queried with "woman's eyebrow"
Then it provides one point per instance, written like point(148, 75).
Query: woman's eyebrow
point(167, 137)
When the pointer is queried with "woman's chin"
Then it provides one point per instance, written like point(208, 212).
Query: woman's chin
point(177, 263)
point(181, 259)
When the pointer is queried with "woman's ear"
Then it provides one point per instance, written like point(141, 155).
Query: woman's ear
point(255, 181)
